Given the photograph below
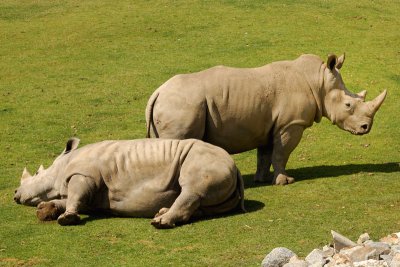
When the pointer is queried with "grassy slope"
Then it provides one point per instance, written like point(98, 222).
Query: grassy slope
point(87, 68)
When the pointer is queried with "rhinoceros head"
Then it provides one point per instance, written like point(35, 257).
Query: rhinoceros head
point(43, 185)
point(348, 111)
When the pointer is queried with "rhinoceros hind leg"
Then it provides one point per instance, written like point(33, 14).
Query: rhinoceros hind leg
point(264, 155)
point(282, 179)
point(181, 210)
point(69, 218)
point(48, 211)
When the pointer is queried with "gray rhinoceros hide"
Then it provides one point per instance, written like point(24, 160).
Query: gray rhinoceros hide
point(267, 108)
point(172, 180)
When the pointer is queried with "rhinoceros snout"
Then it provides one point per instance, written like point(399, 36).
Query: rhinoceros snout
point(17, 199)
point(363, 129)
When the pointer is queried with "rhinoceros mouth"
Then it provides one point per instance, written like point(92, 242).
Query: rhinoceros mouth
point(31, 202)
point(355, 132)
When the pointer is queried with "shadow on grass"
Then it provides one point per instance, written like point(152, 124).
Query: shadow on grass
point(250, 206)
point(327, 171)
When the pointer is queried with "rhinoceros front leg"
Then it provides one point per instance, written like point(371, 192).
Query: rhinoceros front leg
point(181, 210)
point(50, 210)
point(80, 190)
point(284, 143)
point(264, 160)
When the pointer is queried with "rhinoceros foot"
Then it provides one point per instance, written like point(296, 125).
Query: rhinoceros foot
point(47, 211)
point(282, 179)
point(161, 220)
point(69, 218)
point(263, 178)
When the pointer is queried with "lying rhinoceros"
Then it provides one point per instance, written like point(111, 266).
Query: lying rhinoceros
point(169, 179)
point(266, 108)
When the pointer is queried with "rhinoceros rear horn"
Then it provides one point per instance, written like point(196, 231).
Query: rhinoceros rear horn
point(25, 174)
point(41, 168)
point(377, 102)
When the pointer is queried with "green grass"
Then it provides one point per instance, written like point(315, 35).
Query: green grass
point(86, 69)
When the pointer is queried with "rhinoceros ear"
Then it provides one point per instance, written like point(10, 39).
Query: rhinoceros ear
point(362, 94)
point(340, 61)
point(72, 144)
point(331, 62)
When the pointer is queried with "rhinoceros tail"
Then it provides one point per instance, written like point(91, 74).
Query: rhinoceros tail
point(149, 114)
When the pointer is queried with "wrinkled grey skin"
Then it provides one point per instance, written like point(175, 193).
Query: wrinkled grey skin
point(266, 108)
point(171, 180)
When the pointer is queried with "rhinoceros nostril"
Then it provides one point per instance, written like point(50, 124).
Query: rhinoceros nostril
point(364, 126)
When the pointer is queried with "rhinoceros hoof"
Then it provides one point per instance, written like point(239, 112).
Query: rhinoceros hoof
point(47, 211)
point(69, 219)
point(161, 222)
point(282, 179)
point(161, 212)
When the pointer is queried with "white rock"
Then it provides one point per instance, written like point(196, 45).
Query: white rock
point(277, 257)
point(328, 251)
point(381, 247)
point(340, 241)
point(360, 253)
point(364, 237)
point(316, 257)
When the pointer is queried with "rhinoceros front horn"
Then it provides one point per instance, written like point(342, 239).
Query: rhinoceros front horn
point(377, 102)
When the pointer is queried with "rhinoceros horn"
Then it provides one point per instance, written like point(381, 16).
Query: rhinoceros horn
point(377, 102)
point(41, 168)
point(25, 174)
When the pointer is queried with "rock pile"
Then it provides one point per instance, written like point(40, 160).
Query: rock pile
point(342, 253)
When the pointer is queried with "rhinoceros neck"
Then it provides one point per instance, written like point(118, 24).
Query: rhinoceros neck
point(312, 69)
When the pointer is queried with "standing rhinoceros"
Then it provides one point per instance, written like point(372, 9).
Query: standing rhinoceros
point(266, 108)
point(169, 179)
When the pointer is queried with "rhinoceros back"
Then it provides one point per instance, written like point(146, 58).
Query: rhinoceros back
point(133, 173)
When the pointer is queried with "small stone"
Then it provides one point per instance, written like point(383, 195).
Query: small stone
point(392, 239)
point(386, 258)
point(394, 250)
point(328, 251)
point(277, 257)
point(341, 259)
point(370, 263)
point(395, 261)
point(364, 237)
